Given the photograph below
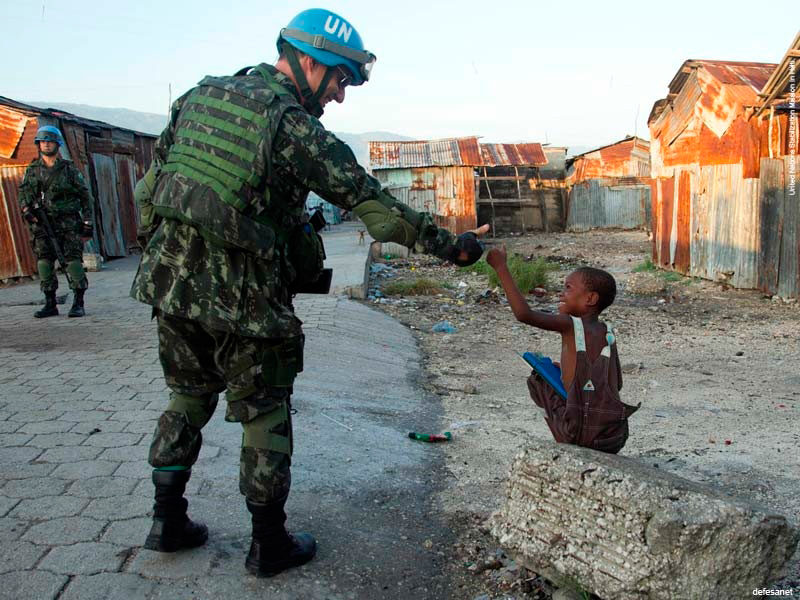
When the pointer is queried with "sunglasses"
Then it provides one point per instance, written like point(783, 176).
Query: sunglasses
point(344, 79)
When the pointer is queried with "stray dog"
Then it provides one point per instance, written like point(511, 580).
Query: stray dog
point(361, 240)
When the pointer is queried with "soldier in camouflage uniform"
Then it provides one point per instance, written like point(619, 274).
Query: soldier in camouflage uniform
point(223, 208)
point(53, 186)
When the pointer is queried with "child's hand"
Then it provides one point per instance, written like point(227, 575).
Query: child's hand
point(496, 257)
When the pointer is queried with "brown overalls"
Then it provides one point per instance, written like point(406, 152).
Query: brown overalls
point(593, 415)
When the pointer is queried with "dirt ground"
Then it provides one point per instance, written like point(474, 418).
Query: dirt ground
point(714, 368)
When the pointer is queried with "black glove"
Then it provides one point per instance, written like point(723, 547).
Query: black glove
point(28, 215)
point(469, 244)
point(87, 229)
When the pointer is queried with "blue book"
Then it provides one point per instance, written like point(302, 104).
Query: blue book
point(548, 371)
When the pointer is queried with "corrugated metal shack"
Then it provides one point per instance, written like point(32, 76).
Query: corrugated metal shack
point(111, 159)
point(513, 195)
point(435, 176)
point(610, 187)
point(723, 161)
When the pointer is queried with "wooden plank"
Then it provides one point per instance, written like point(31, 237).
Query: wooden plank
point(683, 226)
point(113, 241)
point(665, 220)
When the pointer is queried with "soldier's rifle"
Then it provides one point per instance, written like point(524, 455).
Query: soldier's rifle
point(41, 215)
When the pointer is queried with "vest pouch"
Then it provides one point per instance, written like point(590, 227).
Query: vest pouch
point(306, 253)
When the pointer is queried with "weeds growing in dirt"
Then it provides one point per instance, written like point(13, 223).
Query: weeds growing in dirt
point(418, 287)
point(669, 276)
point(645, 267)
point(527, 274)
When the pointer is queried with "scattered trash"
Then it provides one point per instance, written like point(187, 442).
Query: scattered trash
point(462, 284)
point(337, 422)
point(444, 327)
point(781, 405)
point(487, 296)
point(539, 292)
point(740, 353)
point(431, 437)
point(728, 442)
point(470, 389)
point(380, 268)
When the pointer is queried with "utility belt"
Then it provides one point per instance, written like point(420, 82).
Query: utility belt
point(305, 254)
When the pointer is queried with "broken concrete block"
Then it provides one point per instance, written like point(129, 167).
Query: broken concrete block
point(92, 262)
point(621, 529)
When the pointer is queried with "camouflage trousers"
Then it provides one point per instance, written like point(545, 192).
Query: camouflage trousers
point(67, 232)
point(257, 373)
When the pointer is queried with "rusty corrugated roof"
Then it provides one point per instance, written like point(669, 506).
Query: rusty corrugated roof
point(32, 111)
point(426, 153)
point(498, 155)
point(12, 125)
point(752, 75)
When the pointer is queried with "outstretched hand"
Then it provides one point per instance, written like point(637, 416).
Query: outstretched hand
point(497, 257)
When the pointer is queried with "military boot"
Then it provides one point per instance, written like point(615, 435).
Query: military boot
point(172, 529)
point(50, 309)
point(77, 304)
point(272, 549)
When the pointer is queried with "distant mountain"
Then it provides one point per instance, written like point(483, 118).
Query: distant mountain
point(154, 124)
point(121, 117)
point(359, 142)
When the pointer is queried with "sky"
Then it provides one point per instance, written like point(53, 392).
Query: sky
point(571, 73)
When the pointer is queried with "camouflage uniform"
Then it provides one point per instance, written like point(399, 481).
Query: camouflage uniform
point(64, 201)
point(219, 282)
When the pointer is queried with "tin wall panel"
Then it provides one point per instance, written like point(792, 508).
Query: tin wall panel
point(594, 205)
point(771, 231)
point(683, 225)
point(665, 220)
point(128, 211)
point(789, 273)
point(699, 219)
point(16, 256)
point(733, 225)
point(112, 238)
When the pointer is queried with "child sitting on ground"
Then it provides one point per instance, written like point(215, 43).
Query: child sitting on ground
point(592, 414)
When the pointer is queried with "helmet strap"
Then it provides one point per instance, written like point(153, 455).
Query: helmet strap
point(309, 98)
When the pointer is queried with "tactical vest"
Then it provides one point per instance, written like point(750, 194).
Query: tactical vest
point(210, 179)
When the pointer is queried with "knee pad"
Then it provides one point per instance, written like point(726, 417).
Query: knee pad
point(76, 274)
point(196, 409)
point(46, 269)
point(262, 432)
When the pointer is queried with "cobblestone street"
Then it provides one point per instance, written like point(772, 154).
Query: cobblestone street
point(78, 403)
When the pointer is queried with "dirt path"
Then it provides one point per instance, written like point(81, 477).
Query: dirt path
point(715, 369)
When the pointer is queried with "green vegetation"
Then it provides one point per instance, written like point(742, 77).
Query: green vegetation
point(646, 267)
point(527, 274)
point(669, 276)
point(417, 287)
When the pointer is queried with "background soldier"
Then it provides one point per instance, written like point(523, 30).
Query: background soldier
point(224, 204)
point(56, 204)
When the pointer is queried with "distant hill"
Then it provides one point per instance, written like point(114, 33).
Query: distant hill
point(154, 124)
point(121, 117)
point(359, 142)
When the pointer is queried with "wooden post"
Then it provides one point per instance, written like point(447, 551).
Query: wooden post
point(491, 200)
point(542, 207)
point(519, 196)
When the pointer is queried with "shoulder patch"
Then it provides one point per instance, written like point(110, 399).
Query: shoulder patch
point(589, 387)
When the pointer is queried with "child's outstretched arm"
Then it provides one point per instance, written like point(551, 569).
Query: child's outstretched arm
point(497, 259)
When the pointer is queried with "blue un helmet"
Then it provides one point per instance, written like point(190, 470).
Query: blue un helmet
point(49, 133)
point(329, 39)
